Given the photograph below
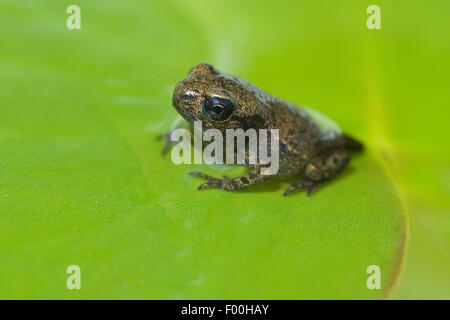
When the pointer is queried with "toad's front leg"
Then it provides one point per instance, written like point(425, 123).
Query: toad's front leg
point(251, 178)
point(167, 137)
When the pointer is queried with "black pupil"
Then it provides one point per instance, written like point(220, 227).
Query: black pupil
point(218, 108)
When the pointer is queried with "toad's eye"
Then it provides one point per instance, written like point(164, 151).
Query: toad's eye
point(218, 108)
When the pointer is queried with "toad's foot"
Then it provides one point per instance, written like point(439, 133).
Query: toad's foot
point(307, 184)
point(251, 178)
point(224, 183)
point(167, 141)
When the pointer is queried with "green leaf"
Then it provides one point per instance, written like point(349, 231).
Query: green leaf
point(84, 182)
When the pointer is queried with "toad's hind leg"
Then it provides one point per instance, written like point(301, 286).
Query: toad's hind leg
point(320, 169)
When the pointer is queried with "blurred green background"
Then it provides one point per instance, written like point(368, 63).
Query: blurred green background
point(82, 180)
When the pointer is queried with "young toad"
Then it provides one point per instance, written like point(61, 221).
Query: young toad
point(310, 145)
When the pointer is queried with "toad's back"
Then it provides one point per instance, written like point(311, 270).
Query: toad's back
point(304, 133)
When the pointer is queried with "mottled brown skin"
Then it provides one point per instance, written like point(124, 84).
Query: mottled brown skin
point(305, 150)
